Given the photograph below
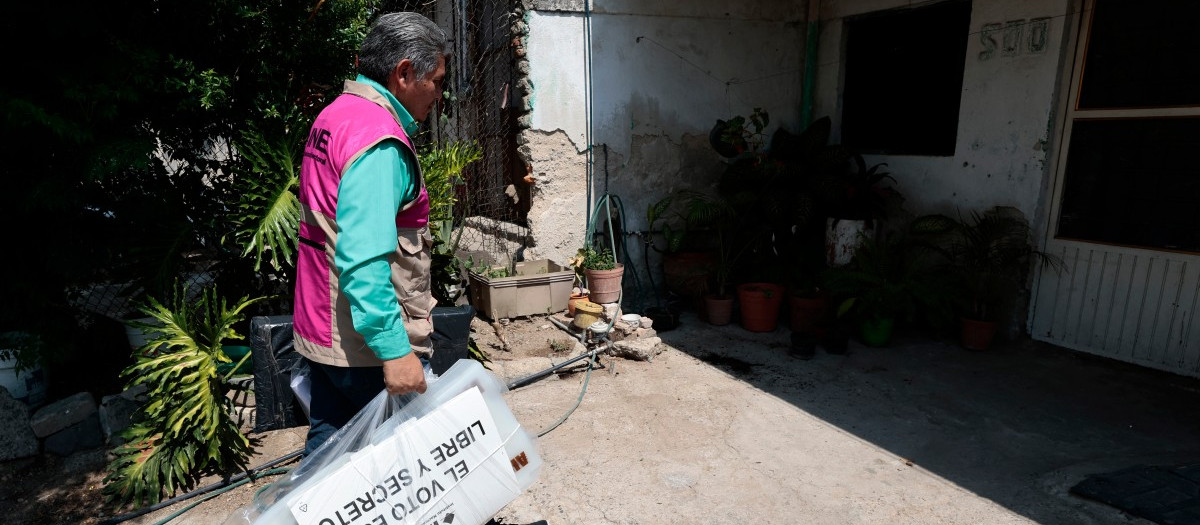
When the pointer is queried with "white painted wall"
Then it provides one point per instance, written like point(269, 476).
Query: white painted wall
point(662, 74)
point(557, 72)
point(1005, 116)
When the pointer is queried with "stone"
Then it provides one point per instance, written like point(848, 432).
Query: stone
point(82, 435)
point(116, 413)
point(62, 413)
point(17, 439)
point(638, 349)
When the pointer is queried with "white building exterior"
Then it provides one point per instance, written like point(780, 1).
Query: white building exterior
point(642, 82)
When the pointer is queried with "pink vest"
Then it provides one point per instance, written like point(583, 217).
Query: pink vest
point(324, 332)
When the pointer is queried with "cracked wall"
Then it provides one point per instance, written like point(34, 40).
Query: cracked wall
point(1001, 155)
point(660, 76)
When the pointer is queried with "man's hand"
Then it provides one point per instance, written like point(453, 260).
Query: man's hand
point(404, 374)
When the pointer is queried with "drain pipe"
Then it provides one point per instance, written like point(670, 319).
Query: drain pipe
point(811, 33)
point(566, 329)
point(518, 383)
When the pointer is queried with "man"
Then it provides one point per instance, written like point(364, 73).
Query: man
point(363, 301)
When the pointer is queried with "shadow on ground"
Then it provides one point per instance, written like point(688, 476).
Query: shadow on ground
point(1018, 425)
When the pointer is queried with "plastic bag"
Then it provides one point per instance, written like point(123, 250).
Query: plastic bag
point(301, 385)
point(275, 358)
point(453, 454)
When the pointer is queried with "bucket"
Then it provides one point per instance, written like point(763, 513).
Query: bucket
point(236, 353)
point(27, 386)
point(586, 313)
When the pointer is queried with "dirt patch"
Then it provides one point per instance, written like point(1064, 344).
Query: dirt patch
point(53, 490)
point(533, 336)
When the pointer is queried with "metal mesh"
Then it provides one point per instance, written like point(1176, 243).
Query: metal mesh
point(485, 107)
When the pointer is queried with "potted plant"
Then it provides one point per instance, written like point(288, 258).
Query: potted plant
point(989, 256)
point(602, 273)
point(760, 304)
point(891, 280)
point(858, 204)
point(21, 369)
point(687, 261)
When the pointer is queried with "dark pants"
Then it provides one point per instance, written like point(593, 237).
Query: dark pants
point(338, 393)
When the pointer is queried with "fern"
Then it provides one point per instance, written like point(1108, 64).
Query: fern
point(185, 429)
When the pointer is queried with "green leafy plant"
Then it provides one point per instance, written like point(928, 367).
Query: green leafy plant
point(597, 259)
point(267, 215)
point(185, 429)
point(442, 167)
point(891, 277)
point(740, 135)
point(482, 268)
point(23, 348)
point(988, 256)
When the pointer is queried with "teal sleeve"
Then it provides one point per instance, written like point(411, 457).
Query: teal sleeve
point(372, 190)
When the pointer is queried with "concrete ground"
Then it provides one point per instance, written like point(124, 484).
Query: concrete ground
point(725, 427)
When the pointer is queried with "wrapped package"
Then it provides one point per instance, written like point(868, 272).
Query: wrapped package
point(455, 454)
point(276, 362)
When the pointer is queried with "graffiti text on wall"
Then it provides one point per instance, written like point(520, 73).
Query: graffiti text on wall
point(1015, 37)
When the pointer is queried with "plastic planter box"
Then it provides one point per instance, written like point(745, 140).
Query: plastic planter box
point(539, 287)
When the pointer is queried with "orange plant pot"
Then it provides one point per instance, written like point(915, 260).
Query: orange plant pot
point(760, 305)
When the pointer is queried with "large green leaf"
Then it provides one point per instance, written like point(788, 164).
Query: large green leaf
point(186, 409)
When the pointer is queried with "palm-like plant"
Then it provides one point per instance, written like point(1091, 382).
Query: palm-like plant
point(990, 254)
point(890, 277)
point(185, 428)
point(442, 167)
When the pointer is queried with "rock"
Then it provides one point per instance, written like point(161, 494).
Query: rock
point(62, 413)
point(116, 413)
point(643, 349)
point(82, 435)
point(17, 439)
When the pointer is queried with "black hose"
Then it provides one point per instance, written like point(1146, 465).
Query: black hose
point(182, 497)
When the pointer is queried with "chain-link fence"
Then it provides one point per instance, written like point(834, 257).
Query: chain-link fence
point(484, 105)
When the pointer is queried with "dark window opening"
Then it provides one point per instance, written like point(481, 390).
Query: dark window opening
point(903, 82)
point(1141, 54)
point(1133, 182)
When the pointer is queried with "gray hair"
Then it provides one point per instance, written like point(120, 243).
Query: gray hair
point(397, 36)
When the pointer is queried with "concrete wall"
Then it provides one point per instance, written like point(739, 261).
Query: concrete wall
point(662, 73)
point(1006, 113)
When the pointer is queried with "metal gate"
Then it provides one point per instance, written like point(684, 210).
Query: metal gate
point(1133, 303)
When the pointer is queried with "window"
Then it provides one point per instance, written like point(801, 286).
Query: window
point(1131, 175)
point(904, 72)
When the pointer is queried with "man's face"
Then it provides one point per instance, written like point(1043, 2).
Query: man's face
point(424, 93)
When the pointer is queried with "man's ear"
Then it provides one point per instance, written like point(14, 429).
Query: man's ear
point(403, 74)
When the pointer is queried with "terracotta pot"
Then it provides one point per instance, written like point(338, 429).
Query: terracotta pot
point(604, 286)
point(687, 273)
point(977, 335)
point(575, 299)
point(808, 314)
point(760, 305)
point(719, 309)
